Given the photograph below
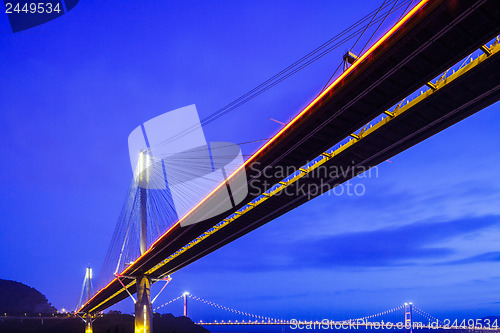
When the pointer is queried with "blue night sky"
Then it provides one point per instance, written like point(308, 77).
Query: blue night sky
point(72, 90)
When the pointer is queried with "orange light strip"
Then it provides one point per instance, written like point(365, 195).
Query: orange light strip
point(297, 117)
point(344, 74)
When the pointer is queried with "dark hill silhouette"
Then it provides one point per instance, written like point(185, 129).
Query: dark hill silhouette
point(16, 299)
point(108, 323)
point(24, 305)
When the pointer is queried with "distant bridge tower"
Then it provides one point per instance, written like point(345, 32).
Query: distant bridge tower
point(185, 303)
point(143, 305)
point(86, 293)
point(408, 318)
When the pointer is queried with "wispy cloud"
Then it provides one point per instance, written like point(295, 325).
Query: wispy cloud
point(483, 257)
point(390, 246)
point(415, 244)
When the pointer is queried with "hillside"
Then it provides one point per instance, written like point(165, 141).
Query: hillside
point(16, 299)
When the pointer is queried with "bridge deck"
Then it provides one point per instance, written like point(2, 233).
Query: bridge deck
point(420, 47)
point(471, 89)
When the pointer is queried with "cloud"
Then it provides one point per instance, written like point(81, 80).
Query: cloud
point(391, 246)
point(413, 244)
point(483, 257)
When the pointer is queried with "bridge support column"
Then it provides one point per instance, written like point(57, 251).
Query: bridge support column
point(143, 306)
point(88, 324)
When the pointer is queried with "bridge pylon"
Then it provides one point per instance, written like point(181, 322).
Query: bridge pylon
point(85, 295)
point(143, 305)
point(408, 318)
point(185, 303)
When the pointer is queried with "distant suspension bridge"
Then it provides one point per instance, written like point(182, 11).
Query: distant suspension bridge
point(414, 318)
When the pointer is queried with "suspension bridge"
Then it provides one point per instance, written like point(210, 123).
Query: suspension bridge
point(370, 112)
point(406, 317)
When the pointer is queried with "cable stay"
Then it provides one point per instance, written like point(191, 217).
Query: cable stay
point(357, 29)
point(160, 207)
